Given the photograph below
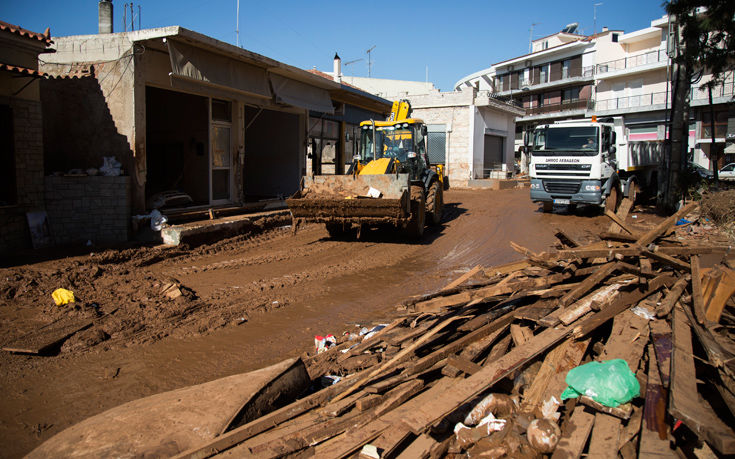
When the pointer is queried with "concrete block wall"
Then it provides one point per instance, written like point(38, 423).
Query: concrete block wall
point(28, 146)
point(86, 208)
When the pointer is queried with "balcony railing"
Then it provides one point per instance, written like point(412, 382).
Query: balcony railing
point(578, 104)
point(726, 89)
point(621, 103)
point(552, 77)
point(630, 62)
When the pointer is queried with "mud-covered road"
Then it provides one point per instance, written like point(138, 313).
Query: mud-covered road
point(242, 304)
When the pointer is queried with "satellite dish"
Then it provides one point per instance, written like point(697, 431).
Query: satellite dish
point(571, 28)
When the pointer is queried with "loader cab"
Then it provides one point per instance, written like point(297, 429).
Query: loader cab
point(401, 144)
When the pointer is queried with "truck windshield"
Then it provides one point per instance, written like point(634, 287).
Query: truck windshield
point(566, 141)
point(391, 142)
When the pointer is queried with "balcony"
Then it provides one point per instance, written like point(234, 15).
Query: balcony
point(649, 101)
point(722, 93)
point(579, 104)
point(631, 63)
point(562, 76)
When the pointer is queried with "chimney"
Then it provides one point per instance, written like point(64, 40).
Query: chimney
point(105, 16)
point(604, 29)
point(337, 68)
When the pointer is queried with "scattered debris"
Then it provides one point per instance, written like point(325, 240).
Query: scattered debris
point(62, 296)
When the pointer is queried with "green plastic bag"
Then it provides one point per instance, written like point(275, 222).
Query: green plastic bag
point(610, 383)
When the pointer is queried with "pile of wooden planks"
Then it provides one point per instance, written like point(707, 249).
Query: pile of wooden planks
point(515, 331)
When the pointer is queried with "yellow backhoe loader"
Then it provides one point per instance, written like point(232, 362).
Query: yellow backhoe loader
point(390, 181)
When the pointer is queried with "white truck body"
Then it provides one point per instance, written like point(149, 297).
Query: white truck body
point(582, 161)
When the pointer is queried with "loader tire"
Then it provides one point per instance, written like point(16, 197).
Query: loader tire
point(435, 203)
point(415, 227)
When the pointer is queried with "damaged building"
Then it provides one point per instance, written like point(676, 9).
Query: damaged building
point(191, 122)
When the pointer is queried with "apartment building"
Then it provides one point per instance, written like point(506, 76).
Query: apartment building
point(612, 73)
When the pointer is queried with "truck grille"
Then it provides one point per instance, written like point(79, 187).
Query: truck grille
point(568, 187)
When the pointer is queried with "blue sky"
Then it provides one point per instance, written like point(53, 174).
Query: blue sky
point(453, 39)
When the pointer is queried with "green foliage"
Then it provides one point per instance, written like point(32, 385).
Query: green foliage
point(708, 35)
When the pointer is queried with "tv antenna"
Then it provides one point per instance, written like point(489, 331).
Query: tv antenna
point(237, 25)
point(370, 61)
point(594, 17)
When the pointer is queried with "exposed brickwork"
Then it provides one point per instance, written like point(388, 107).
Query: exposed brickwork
point(88, 208)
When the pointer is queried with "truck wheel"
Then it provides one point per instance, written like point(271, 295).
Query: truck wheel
point(435, 203)
point(415, 227)
point(548, 207)
point(612, 201)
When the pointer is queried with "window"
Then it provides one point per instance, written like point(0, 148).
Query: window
point(571, 94)
point(545, 45)
point(614, 38)
point(221, 110)
point(565, 68)
point(720, 125)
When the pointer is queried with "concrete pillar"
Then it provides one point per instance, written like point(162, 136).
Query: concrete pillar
point(105, 16)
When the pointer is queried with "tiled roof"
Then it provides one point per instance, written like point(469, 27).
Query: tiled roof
point(44, 37)
point(21, 70)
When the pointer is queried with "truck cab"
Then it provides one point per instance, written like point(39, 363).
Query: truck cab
point(574, 162)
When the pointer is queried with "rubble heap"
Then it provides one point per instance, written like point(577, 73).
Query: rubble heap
point(477, 368)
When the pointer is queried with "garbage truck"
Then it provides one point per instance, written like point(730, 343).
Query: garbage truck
point(589, 161)
point(390, 182)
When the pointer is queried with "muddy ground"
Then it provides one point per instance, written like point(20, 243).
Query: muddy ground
point(165, 318)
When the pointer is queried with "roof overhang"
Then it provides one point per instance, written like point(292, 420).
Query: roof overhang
point(639, 35)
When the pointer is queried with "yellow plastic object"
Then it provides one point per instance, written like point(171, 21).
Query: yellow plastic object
point(440, 172)
point(62, 296)
point(376, 167)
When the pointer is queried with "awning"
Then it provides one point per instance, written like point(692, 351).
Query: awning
point(300, 94)
point(198, 65)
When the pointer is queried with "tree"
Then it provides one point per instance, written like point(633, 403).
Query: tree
point(705, 39)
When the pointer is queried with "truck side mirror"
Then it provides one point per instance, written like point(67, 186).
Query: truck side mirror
point(526, 138)
point(424, 130)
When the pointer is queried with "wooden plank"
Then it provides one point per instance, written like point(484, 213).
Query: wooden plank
point(697, 299)
point(665, 259)
point(654, 440)
point(340, 407)
point(263, 423)
point(574, 439)
point(367, 402)
point(520, 334)
point(391, 440)
point(724, 289)
point(464, 365)
point(661, 337)
point(622, 213)
point(597, 300)
point(588, 284)
point(622, 303)
point(404, 353)
point(420, 417)
point(546, 388)
point(665, 225)
point(635, 251)
point(684, 401)
point(397, 396)
point(507, 268)
point(46, 337)
point(619, 237)
point(474, 350)
point(443, 302)
point(462, 279)
point(420, 448)
point(605, 437)
point(668, 302)
point(565, 239)
point(621, 412)
point(618, 221)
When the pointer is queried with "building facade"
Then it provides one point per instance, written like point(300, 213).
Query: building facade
point(612, 73)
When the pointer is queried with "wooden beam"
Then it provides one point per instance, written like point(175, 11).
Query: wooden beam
point(618, 221)
point(665, 259)
point(668, 302)
point(654, 439)
point(622, 213)
point(684, 401)
point(462, 279)
point(723, 290)
point(574, 439)
point(697, 299)
point(588, 284)
point(665, 225)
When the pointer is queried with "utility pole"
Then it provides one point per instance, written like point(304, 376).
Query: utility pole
point(530, 37)
point(594, 17)
point(370, 61)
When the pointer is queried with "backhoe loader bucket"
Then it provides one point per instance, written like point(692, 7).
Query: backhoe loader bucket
point(347, 199)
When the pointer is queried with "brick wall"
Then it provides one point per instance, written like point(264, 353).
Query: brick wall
point(88, 208)
point(28, 147)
